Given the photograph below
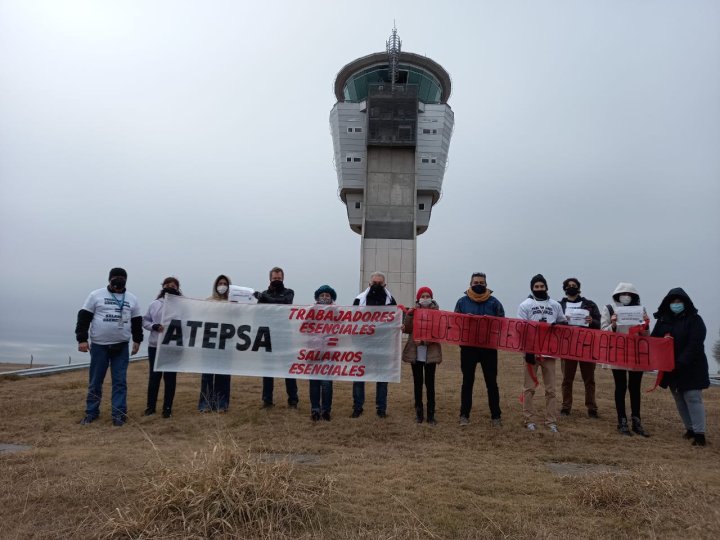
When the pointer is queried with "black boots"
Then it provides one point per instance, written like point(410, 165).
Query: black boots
point(623, 428)
point(637, 427)
point(419, 417)
point(698, 439)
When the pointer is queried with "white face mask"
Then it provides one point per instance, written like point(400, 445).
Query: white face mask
point(625, 299)
point(425, 302)
point(222, 289)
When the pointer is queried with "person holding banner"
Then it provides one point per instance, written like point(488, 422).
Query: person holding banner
point(215, 387)
point(110, 317)
point(678, 318)
point(152, 323)
point(580, 312)
point(478, 300)
point(277, 293)
point(423, 356)
point(321, 392)
point(626, 301)
point(540, 307)
point(375, 295)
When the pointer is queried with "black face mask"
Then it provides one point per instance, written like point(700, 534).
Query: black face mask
point(277, 284)
point(377, 290)
point(479, 289)
point(118, 283)
point(170, 290)
point(540, 295)
point(572, 291)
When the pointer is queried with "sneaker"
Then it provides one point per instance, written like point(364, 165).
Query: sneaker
point(203, 410)
point(419, 416)
point(565, 412)
point(117, 422)
point(689, 434)
point(464, 421)
point(553, 428)
point(149, 412)
point(593, 414)
point(431, 420)
point(292, 404)
point(531, 426)
point(326, 416)
point(637, 427)
point(623, 428)
point(381, 414)
point(315, 416)
point(267, 405)
point(167, 413)
point(699, 439)
point(87, 420)
point(496, 422)
point(356, 413)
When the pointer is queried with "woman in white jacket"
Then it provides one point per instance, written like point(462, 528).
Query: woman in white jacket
point(152, 322)
point(625, 380)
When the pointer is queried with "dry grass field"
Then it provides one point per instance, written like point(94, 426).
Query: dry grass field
point(255, 473)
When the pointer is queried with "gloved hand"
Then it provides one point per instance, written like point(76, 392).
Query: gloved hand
point(530, 358)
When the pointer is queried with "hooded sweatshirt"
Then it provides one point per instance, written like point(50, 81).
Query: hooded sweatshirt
point(688, 331)
point(622, 288)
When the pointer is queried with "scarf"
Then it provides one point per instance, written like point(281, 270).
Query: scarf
point(478, 297)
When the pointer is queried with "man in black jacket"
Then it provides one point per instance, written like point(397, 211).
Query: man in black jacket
point(108, 319)
point(375, 295)
point(276, 293)
point(573, 300)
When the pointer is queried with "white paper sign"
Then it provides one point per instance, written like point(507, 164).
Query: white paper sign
point(346, 343)
point(241, 295)
point(629, 315)
point(575, 314)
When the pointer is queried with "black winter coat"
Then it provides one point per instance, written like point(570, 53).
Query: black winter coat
point(688, 332)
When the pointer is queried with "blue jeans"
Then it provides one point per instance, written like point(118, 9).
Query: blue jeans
point(290, 387)
point(321, 396)
point(116, 357)
point(692, 411)
point(381, 391)
point(214, 392)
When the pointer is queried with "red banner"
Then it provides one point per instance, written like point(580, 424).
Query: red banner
point(560, 341)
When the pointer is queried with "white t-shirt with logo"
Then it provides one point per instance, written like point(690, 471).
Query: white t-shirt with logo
point(111, 323)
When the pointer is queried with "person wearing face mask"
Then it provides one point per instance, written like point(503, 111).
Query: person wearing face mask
point(625, 380)
point(105, 325)
point(478, 300)
point(277, 293)
point(677, 317)
point(152, 322)
point(539, 307)
point(423, 356)
point(572, 299)
point(321, 392)
point(376, 294)
point(215, 387)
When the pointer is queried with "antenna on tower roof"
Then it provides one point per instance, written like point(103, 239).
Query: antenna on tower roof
point(393, 46)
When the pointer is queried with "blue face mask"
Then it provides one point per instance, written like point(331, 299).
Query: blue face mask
point(677, 308)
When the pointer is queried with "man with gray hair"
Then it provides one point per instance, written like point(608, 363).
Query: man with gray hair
point(478, 300)
point(375, 295)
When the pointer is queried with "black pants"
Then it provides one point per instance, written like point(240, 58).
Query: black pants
point(469, 358)
point(625, 380)
point(154, 379)
point(424, 370)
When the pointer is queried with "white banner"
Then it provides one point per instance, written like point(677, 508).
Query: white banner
point(342, 343)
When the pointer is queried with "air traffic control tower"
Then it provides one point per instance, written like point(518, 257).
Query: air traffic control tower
point(391, 129)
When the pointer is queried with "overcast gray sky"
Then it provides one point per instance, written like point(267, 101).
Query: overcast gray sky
point(192, 139)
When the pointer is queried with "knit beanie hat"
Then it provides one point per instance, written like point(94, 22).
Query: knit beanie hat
point(538, 278)
point(422, 290)
point(326, 289)
point(117, 272)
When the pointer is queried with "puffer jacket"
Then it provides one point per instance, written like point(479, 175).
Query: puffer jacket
point(434, 350)
point(688, 332)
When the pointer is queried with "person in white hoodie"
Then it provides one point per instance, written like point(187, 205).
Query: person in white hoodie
point(541, 308)
point(625, 380)
point(152, 322)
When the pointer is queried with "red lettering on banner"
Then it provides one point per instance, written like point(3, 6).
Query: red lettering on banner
point(570, 342)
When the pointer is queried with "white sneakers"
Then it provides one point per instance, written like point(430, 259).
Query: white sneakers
point(531, 426)
point(553, 428)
